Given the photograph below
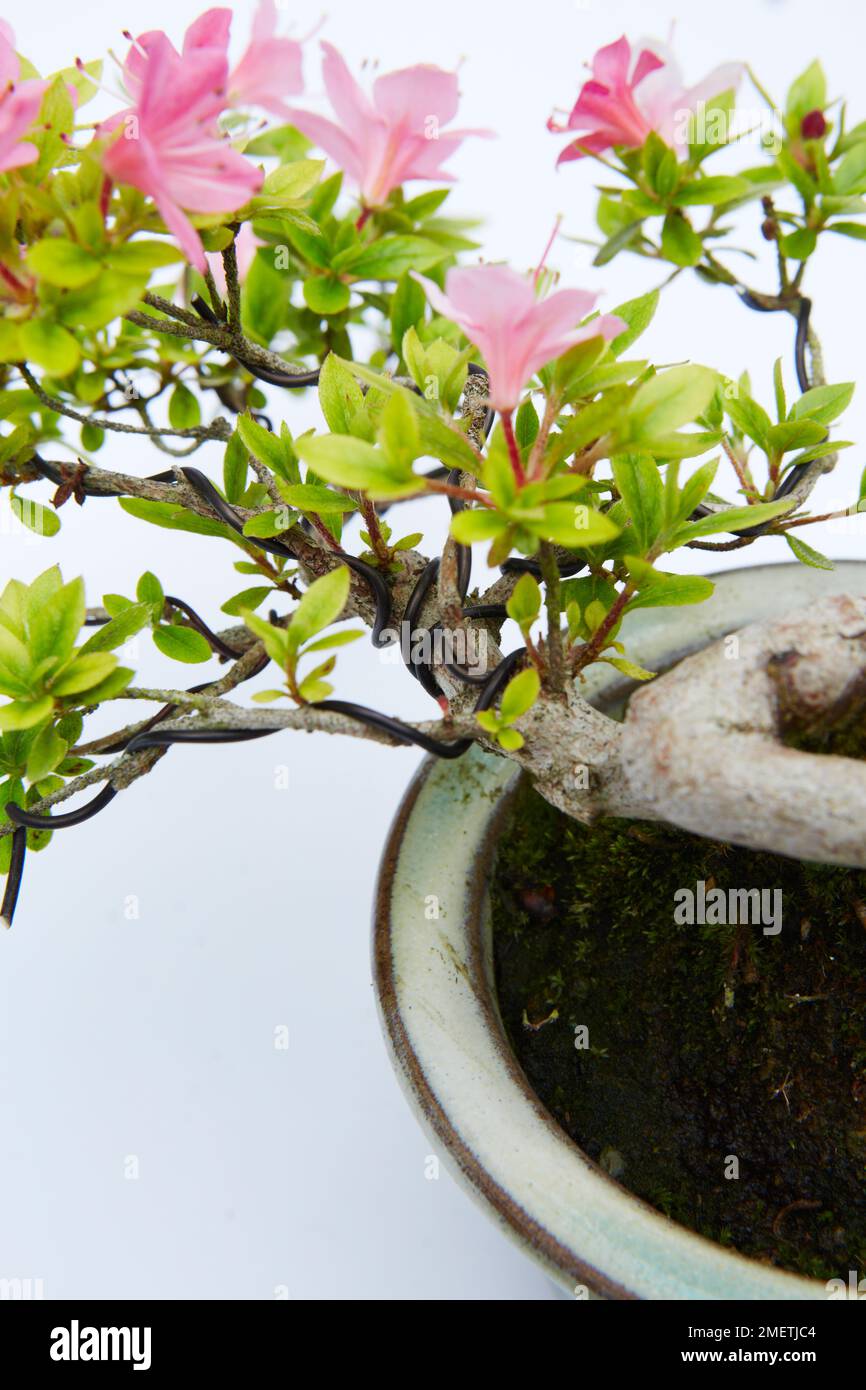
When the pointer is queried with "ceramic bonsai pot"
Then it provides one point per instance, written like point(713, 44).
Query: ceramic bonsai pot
point(439, 1011)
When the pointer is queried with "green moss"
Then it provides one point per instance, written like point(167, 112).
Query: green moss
point(704, 1042)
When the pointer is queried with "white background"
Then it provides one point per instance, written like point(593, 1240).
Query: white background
point(154, 1037)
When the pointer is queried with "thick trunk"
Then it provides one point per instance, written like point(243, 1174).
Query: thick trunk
point(701, 747)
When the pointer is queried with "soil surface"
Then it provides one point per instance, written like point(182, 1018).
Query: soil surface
point(721, 1075)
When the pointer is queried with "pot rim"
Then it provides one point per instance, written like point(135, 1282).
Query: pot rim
point(432, 1091)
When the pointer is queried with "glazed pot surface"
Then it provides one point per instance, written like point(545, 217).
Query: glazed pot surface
point(432, 963)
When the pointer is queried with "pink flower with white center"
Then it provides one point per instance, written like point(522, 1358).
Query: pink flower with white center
point(397, 135)
point(246, 246)
point(623, 102)
point(19, 106)
point(515, 332)
point(170, 146)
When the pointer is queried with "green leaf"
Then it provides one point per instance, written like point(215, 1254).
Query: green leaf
point(808, 92)
point(235, 469)
point(51, 346)
point(320, 606)
point(799, 245)
point(807, 555)
point(149, 590)
point(55, 614)
point(639, 483)
point(340, 396)
point(173, 517)
point(748, 417)
point(818, 451)
point(120, 629)
point(629, 668)
point(712, 191)
point(43, 520)
point(263, 445)
point(638, 315)
point(95, 305)
point(510, 739)
point(407, 308)
point(21, 714)
point(47, 751)
point(694, 490)
point(389, 257)
point(184, 411)
point(275, 639)
point(325, 294)
point(109, 688)
point(353, 463)
point(246, 600)
point(680, 242)
point(269, 523)
point(660, 165)
point(398, 434)
point(731, 519)
point(823, 403)
point(779, 390)
point(519, 695)
point(795, 434)
point(526, 425)
point(658, 589)
point(61, 262)
point(621, 238)
point(856, 230)
point(92, 438)
point(334, 639)
point(573, 367)
point(572, 524)
point(316, 498)
point(524, 605)
point(670, 399)
point(85, 671)
point(476, 524)
point(182, 643)
point(140, 258)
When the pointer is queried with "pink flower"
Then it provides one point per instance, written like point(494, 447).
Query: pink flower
point(270, 69)
point(515, 332)
point(395, 136)
point(621, 104)
point(246, 245)
point(170, 146)
point(19, 106)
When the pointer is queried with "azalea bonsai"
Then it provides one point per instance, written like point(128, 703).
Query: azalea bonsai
point(159, 266)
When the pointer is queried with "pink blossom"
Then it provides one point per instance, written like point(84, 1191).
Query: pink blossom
point(246, 245)
point(396, 135)
point(516, 333)
point(621, 103)
point(19, 106)
point(170, 146)
point(270, 69)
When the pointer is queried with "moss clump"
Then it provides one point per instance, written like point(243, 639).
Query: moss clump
point(705, 1042)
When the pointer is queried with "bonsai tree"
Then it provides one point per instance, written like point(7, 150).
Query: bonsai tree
point(156, 268)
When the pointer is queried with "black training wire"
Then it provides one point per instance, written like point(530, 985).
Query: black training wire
point(198, 623)
point(14, 875)
point(166, 738)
